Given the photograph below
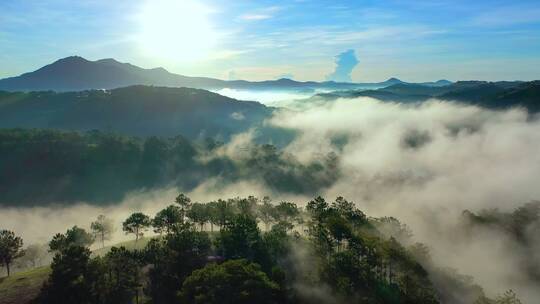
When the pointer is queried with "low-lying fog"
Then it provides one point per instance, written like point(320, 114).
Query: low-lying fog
point(268, 97)
point(423, 164)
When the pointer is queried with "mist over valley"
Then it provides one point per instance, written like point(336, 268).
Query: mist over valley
point(255, 153)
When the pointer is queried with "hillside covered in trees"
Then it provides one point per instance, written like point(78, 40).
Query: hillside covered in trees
point(38, 167)
point(135, 110)
point(249, 250)
point(491, 95)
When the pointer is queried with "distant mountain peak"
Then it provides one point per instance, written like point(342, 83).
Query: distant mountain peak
point(285, 80)
point(443, 81)
point(71, 59)
point(108, 61)
point(75, 73)
point(81, 60)
point(160, 69)
point(392, 81)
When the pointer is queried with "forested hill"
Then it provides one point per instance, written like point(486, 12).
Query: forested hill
point(491, 95)
point(216, 252)
point(136, 110)
point(41, 167)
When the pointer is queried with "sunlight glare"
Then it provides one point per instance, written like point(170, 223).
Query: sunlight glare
point(177, 30)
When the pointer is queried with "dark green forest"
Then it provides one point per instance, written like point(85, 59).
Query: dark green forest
point(497, 95)
point(39, 167)
point(135, 111)
point(249, 250)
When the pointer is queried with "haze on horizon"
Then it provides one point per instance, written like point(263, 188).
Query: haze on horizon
point(303, 40)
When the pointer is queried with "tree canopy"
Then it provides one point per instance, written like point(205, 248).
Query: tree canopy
point(136, 223)
point(342, 256)
point(233, 282)
point(10, 248)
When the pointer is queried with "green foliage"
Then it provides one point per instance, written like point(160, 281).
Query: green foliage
point(73, 237)
point(266, 212)
point(185, 204)
point(173, 258)
point(286, 212)
point(277, 243)
point(100, 167)
point(343, 258)
point(66, 166)
point(71, 280)
point(166, 219)
point(233, 282)
point(136, 223)
point(10, 248)
point(76, 278)
point(222, 212)
point(348, 210)
point(357, 264)
point(167, 111)
point(122, 275)
point(102, 229)
point(247, 206)
point(199, 214)
point(241, 239)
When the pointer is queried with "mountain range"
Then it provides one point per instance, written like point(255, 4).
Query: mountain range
point(492, 95)
point(76, 74)
point(76, 94)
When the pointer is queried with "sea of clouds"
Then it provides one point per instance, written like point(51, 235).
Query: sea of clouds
point(421, 163)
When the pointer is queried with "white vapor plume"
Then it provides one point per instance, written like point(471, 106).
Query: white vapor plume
point(425, 164)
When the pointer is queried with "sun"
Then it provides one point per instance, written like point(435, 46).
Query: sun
point(178, 30)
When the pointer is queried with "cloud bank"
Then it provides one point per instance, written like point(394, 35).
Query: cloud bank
point(421, 163)
point(425, 164)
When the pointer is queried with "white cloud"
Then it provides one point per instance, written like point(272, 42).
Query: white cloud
point(261, 14)
point(226, 54)
point(253, 17)
point(465, 157)
point(238, 116)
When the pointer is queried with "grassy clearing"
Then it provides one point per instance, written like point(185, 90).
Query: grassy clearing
point(130, 245)
point(22, 287)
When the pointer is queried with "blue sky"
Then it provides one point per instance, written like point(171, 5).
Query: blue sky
point(241, 39)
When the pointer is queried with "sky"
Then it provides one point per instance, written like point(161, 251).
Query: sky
point(361, 41)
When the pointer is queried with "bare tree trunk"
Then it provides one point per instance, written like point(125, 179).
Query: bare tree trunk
point(7, 267)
